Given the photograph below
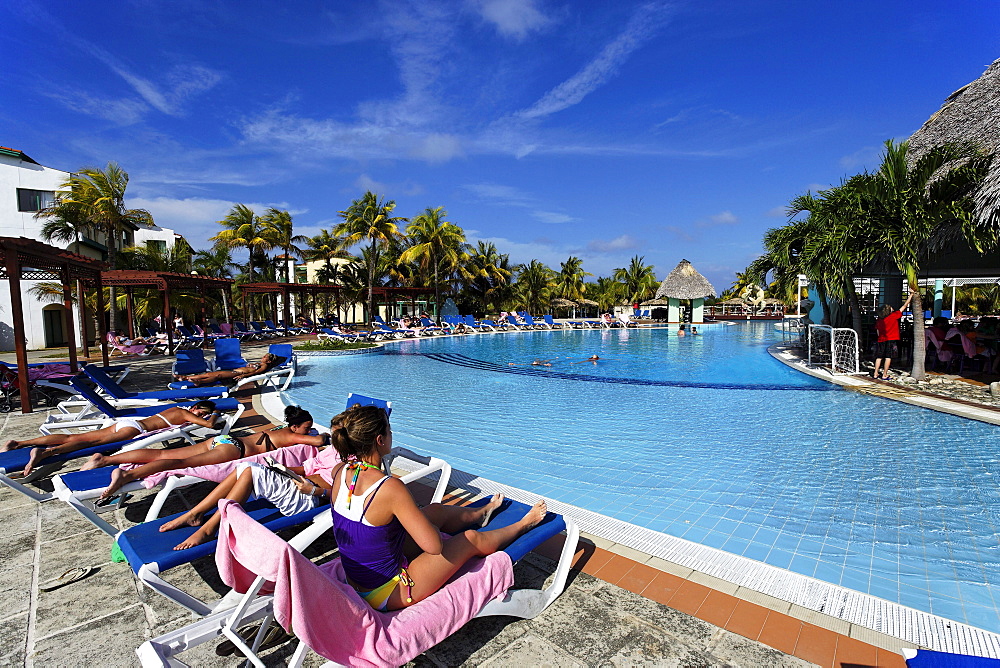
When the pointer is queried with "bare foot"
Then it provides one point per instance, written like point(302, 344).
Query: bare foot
point(535, 515)
point(96, 461)
point(490, 507)
point(116, 483)
point(33, 458)
point(197, 538)
point(187, 519)
point(8, 445)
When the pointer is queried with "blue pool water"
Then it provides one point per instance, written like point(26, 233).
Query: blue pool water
point(709, 439)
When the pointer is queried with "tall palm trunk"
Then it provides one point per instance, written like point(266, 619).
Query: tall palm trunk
point(372, 263)
point(113, 292)
point(437, 293)
point(919, 343)
point(852, 299)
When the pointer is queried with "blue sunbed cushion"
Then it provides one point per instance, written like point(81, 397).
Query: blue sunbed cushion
point(930, 659)
point(16, 460)
point(145, 544)
point(511, 511)
point(227, 404)
point(82, 481)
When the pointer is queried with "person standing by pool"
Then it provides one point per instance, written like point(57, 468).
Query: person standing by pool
point(887, 346)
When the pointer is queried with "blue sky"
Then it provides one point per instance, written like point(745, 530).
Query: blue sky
point(597, 129)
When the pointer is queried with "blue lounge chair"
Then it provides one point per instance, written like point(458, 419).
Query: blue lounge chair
point(470, 321)
point(190, 361)
point(150, 552)
point(291, 329)
point(116, 392)
point(512, 322)
point(228, 355)
point(925, 658)
point(550, 322)
point(523, 603)
point(245, 334)
point(269, 326)
point(327, 333)
point(486, 323)
point(286, 369)
point(109, 410)
point(430, 326)
point(189, 339)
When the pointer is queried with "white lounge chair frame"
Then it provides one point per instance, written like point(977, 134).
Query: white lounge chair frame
point(163, 650)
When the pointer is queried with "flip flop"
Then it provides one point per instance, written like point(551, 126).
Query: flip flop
point(70, 576)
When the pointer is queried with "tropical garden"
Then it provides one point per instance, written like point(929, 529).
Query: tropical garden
point(369, 247)
point(891, 221)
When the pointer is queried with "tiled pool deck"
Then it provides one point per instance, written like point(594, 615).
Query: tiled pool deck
point(622, 606)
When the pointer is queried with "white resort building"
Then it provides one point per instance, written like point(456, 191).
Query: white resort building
point(26, 187)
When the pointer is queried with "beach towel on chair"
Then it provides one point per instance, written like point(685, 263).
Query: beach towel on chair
point(317, 605)
point(293, 455)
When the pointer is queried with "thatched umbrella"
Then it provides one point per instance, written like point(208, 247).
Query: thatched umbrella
point(656, 302)
point(586, 302)
point(972, 113)
point(562, 303)
point(734, 301)
point(684, 282)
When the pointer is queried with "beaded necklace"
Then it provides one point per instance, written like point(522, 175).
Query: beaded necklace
point(357, 465)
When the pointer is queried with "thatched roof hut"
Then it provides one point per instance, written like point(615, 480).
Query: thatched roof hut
point(684, 282)
point(972, 113)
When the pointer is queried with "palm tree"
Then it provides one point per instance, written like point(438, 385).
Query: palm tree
point(369, 218)
point(244, 229)
point(638, 280)
point(64, 222)
point(533, 287)
point(99, 196)
point(487, 274)
point(277, 225)
point(569, 281)
point(912, 207)
point(326, 247)
point(437, 245)
point(607, 292)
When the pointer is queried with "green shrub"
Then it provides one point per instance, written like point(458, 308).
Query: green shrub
point(332, 344)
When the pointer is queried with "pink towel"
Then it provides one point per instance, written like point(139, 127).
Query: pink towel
point(317, 605)
point(49, 371)
point(293, 455)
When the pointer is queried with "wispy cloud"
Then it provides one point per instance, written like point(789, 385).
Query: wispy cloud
point(777, 212)
point(512, 18)
point(865, 157)
point(722, 218)
point(644, 23)
point(625, 242)
point(494, 193)
point(680, 233)
point(552, 217)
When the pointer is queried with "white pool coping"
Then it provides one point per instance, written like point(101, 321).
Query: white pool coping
point(913, 626)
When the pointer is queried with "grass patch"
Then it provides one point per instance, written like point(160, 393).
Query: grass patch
point(332, 344)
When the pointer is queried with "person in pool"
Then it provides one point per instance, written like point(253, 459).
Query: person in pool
point(214, 450)
point(266, 363)
point(391, 550)
point(124, 429)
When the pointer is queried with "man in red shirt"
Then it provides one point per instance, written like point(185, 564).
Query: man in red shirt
point(887, 345)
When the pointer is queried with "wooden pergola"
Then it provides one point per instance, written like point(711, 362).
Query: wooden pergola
point(286, 289)
point(164, 281)
point(30, 260)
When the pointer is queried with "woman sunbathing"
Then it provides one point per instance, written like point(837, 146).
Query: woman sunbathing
point(212, 451)
point(111, 431)
point(391, 550)
point(266, 363)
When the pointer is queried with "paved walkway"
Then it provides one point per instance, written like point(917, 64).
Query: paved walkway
point(620, 608)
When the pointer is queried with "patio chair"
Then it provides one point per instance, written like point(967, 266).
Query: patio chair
point(189, 339)
point(228, 355)
point(325, 333)
point(116, 392)
point(189, 362)
point(293, 330)
point(286, 369)
point(150, 552)
point(278, 331)
point(349, 631)
point(140, 349)
point(552, 324)
point(82, 489)
point(625, 321)
point(512, 322)
point(430, 326)
point(244, 334)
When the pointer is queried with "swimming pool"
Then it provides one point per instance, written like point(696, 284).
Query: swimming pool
point(709, 439)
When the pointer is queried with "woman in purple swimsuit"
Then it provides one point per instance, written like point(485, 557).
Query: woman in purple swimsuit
point(385, 540)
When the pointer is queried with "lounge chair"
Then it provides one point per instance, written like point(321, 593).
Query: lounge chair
point(116, 392)
point(430, 327)
point(286, 369)
point(926, 658)
point(327, 333)
point(150, 552)
point(386, 330)
point(512, 322)
point(14, 461)
point(469, 321)
point(279, 331)
point(101, 408)
point(350, 632)
point(190, 362)
point(488, 324)
point(549, 322)
point(531, 322)
point(228, 355)
point(245, 334)
point(625, 321)
point(140, 349)
point(188, 339)
point(291, 329)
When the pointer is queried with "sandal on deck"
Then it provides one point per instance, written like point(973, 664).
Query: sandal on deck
point(70, 576)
